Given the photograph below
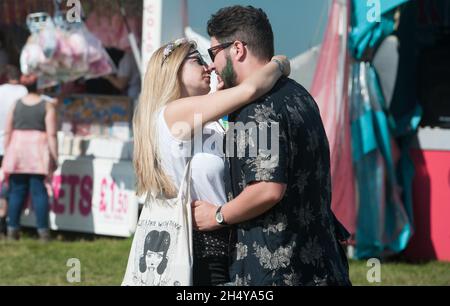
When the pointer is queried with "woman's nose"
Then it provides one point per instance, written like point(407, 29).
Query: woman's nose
point(206, 68)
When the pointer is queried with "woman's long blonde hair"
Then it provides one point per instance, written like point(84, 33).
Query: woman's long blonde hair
point(162, 84)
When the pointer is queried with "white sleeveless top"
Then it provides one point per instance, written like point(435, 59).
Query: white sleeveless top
point(207, 164)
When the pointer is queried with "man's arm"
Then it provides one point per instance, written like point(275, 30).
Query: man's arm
point(124, 72)
point(265, 176)
point(253, 201)
point(118, 82)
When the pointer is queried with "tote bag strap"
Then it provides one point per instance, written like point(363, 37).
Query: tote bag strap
point(185, 186)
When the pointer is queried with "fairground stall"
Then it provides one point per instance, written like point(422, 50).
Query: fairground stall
point(399, 115)
point(93, 188)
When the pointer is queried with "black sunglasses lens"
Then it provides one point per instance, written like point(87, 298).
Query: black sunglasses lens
point(199, 59)
point(202, 61)
point(211, 54)
point(216, 49)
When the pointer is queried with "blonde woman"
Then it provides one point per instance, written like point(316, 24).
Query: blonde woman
point(174, 109)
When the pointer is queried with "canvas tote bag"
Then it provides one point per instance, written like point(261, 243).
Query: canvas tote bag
point(162, 253)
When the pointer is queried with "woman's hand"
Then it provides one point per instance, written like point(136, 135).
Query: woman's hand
point(285, 64)
point(54, 165)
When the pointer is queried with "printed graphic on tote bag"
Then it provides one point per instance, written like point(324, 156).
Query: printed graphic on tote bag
point(153, 259)
point(153, 252)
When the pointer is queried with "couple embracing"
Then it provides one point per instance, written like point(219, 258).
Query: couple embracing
point(261, 191)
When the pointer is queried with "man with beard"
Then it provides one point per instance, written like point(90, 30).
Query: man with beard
point(279, 198)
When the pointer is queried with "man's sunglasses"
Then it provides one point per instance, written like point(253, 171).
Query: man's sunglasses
point(197, 56)
point(213, 51)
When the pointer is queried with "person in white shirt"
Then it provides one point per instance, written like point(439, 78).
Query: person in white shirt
point(10, 93)
point(174, 111)
point(128, 77)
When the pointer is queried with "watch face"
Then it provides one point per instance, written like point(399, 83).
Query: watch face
point(219, 217)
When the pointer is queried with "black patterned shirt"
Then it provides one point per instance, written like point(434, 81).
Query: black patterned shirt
point(297, 241)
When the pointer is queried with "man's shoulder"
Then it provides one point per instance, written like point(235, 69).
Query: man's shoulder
point(274, 100)
point(287, 87)
point(283, 90)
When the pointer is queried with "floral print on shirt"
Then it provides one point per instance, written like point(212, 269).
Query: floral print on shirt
point(296, 242)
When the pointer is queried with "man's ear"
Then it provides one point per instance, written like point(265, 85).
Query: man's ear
point(239, 51)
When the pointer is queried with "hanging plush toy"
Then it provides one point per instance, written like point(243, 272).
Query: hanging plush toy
point(58, 51)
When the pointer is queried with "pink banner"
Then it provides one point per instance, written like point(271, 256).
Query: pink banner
point(330, 90)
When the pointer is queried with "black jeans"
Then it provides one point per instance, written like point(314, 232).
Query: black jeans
point(211, 271)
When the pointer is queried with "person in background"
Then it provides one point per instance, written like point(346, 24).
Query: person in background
point(31, 155)
point(10, 93)
point(128, 77)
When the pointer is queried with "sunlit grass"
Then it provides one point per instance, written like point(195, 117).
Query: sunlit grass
point(103, 262)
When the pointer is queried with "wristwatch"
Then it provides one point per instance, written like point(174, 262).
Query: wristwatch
point(219, 216)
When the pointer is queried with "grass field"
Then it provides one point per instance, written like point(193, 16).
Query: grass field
point(103, 260)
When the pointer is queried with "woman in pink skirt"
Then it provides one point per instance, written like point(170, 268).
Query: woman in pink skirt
point(30, 157)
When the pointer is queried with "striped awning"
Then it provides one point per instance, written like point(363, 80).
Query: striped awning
point(13, 12)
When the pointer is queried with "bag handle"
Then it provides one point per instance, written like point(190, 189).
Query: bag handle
point(185, 186)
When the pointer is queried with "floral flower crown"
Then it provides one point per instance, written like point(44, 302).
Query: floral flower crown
point(173, 45)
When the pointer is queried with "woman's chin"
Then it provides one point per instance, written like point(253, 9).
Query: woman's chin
point(204, 91)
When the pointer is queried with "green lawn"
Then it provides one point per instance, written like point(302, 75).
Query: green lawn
point(103, 261)
point(30, 262)
point(403, 274)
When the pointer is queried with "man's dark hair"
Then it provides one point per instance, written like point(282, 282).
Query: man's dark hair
point(12, 73)
point(247, 24)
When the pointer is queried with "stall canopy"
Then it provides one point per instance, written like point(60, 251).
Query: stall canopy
point(372, 21)
point(382, 167)
point(103, 17)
